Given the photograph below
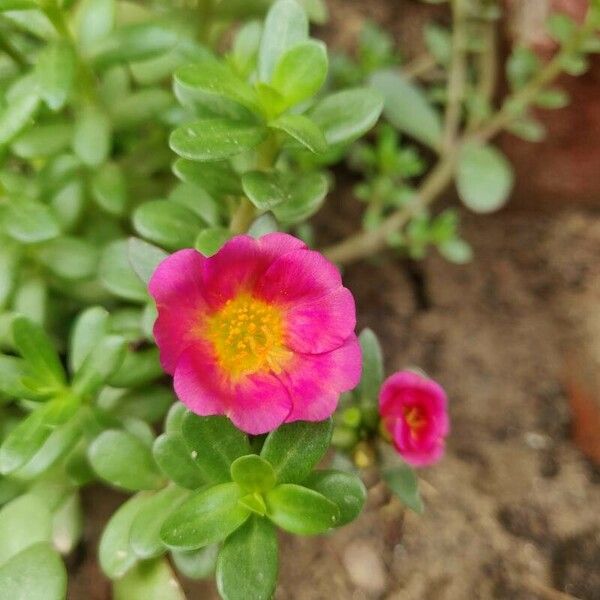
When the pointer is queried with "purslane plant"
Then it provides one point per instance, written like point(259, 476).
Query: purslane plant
point(158, 164)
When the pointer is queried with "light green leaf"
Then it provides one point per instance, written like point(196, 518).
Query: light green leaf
point(301, 71)
point(253, 473)
point(67, 524)
point(207, 517)
point(215, 139)
point(34, 574)
point(151, 580)
point(484, 178)
point(294, 449)
point(197, 199)
point(196, 564)
point(211, 240)
point(372, 372)
point(69, 257)
point(407, 108)
point(43, 140)
point(15, 116)
point(92, 135)
point(175, 460)
point(96, 21)
point(303, 130)
point(117, 275)
point(122, 460)
point(248, 562)
point(301, 510)
point(307, 195)
point(89, 328)
point(109, 189)
point(144, 258)
point(345, 116)
point(29, 221)
point(217, 178)
point(403, 482)
point(55, 72)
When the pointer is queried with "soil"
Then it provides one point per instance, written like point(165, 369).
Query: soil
point(512, 510)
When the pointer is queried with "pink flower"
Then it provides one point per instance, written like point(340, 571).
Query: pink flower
point(413, 409)
point(263, 331)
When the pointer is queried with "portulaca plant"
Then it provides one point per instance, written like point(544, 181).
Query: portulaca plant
point(167, 326)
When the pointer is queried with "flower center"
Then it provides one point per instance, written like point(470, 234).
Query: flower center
point(415, 418)
point(247, 335)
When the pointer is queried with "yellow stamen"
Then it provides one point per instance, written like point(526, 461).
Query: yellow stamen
point(415, 419)
point(247, 335)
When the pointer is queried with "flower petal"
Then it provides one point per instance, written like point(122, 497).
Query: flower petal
point(315, 381)
point(276, 244)
point(321, 325)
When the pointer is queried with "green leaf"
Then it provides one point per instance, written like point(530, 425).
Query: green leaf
point(117, 275)
point(15, 116)
point(347, 115)
point(456, 251)
point(100, 364)
point(214, 77)
point(265, 190)
point(215, 139)
point(294, 449)
point(285, 26)
point(23, 522)
point(38, 351)
point(148, 404)
point(244, 50)
point(214, 443)
point(217, 178)
point(144, 258)
point(10, 255)
point(167, 224)
point(248, 562)
point(136, 41)
point(404, 484)
point(303, 130)
point(174, 418)
point(407, 108)
point(175, 460)
point(484, 178)
point(145, 529)
point(306, 195)
point(43, 140)
point(439, 42)
point(109, 189)
point(346, 490)
point(140, 367)
point(92, 136)
point(30, 299)
point(29, 221)
point(207, 517)
point(301, 510)
point(196, 564)
point(12, 372)
point(372, 373)
point(67, 524)
point(96, 21)
point(552, 98)
point(69, 257)
point(209, 241)
point(561, 27)
point(17, 5)
point(301, 71)
point(197, 199)
point(89, 328)
point(140, 107)
point(55, 72)
point(122, 460)
point(34, 574)
point(151, 580)
point(253, 473)
point(115, 553)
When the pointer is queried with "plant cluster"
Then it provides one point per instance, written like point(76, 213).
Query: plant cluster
point(159, 163)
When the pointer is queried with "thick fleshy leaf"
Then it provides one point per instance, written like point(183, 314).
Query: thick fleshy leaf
point(90, 327)
point(174, 459)
point(69, 257)
point(43, 140)
point(139, 367)
point(37, 573)
point(305, 195)
point(122, 460)
point(484, 178)
point(301, 71)
point(294, 449)
point(118, 276)
point(55, 71)
point(109, 189)
point(67, 524)
point(96, 21)
point(92, 135)
point(167, 223)
point(345, 116)
point(197, 564)
point(303, 130)
point(301, 510)
point(285, 26)
point(405, 485)
point(372, 359)
point(115, 553)
point(12, 372)
point(29, 221)
point(342, 488)
point(150, 580)
point(207, 517)
point(214, 443)
point(408, 108)
point(217, 178)
point(144, 258)
point(15, 116)
point(209, 241)
point(145, 529)
point(216, 139)
point(23, 522)
point(248, 562)
point(253, 473)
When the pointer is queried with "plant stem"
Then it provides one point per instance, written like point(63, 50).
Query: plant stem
point(457, 76)
point(242, 217)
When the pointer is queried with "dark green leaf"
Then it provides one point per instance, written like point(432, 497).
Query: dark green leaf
point(294, 449)
point(301, 510)
point(404, 483)
point(215, 139)
point(175, 460)
point(306, 195)
point(207, 517)
point(248, 563)
point(346, 490)
point(214, 443)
